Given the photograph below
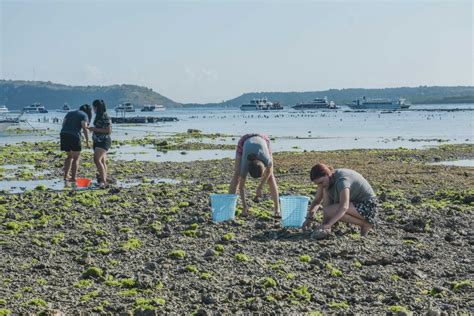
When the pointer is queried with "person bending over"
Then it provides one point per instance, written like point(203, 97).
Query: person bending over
point(345, 195)
point(70, 136)
point(254, 157)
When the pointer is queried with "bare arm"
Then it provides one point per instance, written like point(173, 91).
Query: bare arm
point(242, 195)
point(313, 207)
point(85, 131)
point(344, 201)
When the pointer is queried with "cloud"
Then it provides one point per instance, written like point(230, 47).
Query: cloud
point(203, 74)
point(93, 74)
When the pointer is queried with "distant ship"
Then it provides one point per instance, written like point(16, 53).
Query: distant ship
point(125, 107)
point(65, 108)
point(378, 104)
point(316, 104)
point(261, 105)
point(3, 109)
point(153, 108)
point(35, 108)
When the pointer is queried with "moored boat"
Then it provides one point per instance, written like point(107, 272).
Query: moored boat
point(152, 108)
point(125, 107)
point(261, 105)
point(316, 104)
point(379, 104)
point(35, 108)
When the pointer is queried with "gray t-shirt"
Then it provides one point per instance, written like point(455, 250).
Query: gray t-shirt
point(258, 146)
point(360, 189)
point(73, 123)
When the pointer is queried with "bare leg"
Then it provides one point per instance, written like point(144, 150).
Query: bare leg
point(98, 156)
point(75, 155)
point(67, 165)
point(234, 183)
point(274, 193)
point(351, 217)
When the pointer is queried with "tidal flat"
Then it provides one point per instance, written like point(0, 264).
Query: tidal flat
point(153, 247)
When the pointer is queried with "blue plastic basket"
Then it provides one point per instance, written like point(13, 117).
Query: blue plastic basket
point(293, 210)
point(223, 206)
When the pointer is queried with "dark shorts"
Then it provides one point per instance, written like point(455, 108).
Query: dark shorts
point(106, 144)
point(368, 209)
point(70, 142)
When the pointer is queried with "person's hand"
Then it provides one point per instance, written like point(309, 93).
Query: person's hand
point(307, 223)
point(92, 129)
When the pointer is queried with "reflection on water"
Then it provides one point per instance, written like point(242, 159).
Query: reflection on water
point(457, 163)
point(59, 184)
point(149, 153)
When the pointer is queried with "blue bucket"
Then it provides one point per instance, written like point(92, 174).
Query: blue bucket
point(223, 206)
point(293, 210)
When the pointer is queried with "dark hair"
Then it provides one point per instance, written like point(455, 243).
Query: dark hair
point(256, 167)
point(100, 109)
point(320, 170)
point(86, 108)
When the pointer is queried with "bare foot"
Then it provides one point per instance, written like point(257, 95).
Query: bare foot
point(364, 230)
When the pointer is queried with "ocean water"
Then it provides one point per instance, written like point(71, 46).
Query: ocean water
point(421, 126)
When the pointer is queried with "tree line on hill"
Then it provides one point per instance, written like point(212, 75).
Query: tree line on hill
point(18, 94)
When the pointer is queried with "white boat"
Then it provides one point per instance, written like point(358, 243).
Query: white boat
point(378, 104)
point(125, 107)
point(66, 108)
point(261, 105)
point(3, 109)
point(35, 108)
point(316, 104)
point(152, 108)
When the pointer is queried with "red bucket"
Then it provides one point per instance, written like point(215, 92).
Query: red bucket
point(83, 182)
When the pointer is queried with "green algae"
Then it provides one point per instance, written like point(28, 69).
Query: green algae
point(92, 272)
point(177, 254)
point(241, 257)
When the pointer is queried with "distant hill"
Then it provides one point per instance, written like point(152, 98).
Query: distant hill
point(416, 95)
point(17, 94)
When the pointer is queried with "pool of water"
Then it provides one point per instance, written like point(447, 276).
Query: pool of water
point(149, 153)
point(19, 186)
point(457, 163)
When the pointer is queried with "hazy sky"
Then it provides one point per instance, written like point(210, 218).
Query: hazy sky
point(209, 51)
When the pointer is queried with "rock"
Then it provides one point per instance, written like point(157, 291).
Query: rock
point(208, 299)
point(256, 304)
point(208, 187)
point(193, 131)
point(416, 199)
point(147, 312)
point(320, 234)
point(144, 281)
point(202, 312)
point(210, 253)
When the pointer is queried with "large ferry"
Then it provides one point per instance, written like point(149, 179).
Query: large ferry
point(125, 107)
point(379, 104)
point(261, 105)
point(35, 108)
point(316, 104)
point(152, 108)
point(3, 109)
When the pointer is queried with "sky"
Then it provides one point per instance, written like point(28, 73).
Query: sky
point(210, 51)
